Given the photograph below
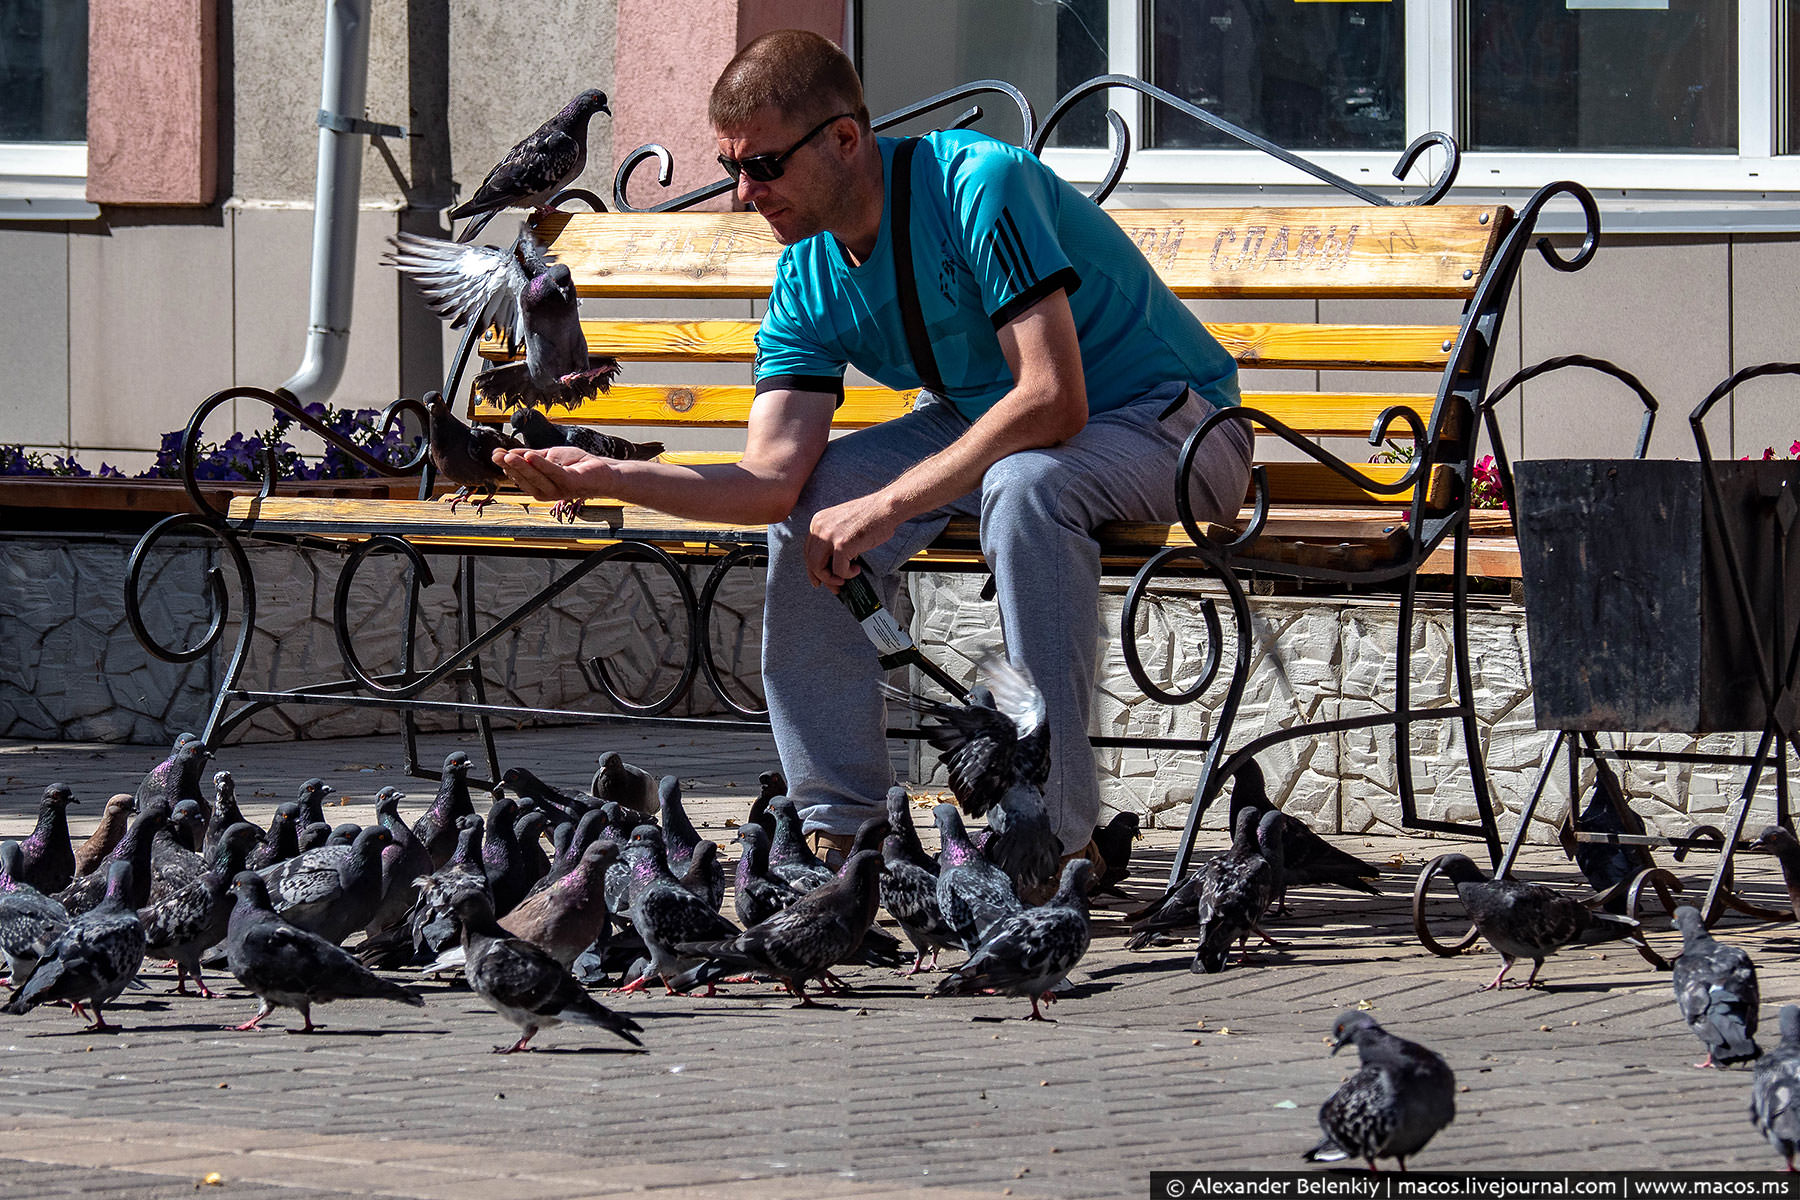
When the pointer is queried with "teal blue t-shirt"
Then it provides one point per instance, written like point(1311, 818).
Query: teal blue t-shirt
point(994, 231)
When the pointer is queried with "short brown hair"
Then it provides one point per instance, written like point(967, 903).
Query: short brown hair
point(796, 72)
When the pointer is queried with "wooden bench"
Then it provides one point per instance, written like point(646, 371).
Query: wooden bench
point(1310, 515)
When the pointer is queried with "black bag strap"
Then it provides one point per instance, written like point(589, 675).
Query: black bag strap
point(906, 286)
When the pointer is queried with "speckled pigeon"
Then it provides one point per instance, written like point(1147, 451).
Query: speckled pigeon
point(1177, 910)
point(115, 818)
point(806, 939)
point(1775, 1090)
point(401, 863)
point(523, 983)
point(225, 814)
point(900, 823)
point(281, 841)
point(665, 914)
point(1237, 892)
point(1402, 1095)
point(434, 915)
point(47, 856)
point(437, 829)
point(135, 847)
point(1529, 920)
point(756, 894)
point(93, 959)
point(187, 923)
point(973, 894)
point(1032, 951)
point(284, 965)
point(332, 891)
point(542, 164)
point(1307, 858)
point(29, 920)
point(1715, 988)
point(909, 893)
point(174, 858)
point(619, 781)
point(789, 858)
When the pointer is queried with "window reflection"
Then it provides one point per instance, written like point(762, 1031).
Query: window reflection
point(43, 70)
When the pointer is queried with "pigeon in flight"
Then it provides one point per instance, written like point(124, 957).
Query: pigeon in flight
point(1529, 920)
point(542, 164)
point(526, 294)
point(1775, 1089)
point(93, 959)
point(1390, 1108)
point(1715, 987)
point(1032, 951)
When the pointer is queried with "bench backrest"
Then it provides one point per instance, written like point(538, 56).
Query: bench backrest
point(1318, 254)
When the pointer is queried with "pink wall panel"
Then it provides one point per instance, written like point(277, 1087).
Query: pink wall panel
point(153, 102)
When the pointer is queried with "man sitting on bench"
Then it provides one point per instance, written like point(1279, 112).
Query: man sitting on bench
point(1047, 348)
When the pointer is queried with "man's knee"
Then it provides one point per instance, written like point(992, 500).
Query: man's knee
point(1023, 489)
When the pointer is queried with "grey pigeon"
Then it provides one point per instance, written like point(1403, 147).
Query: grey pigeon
point(620, 782)
point(401, 863)
point(464, 454)
point(177, 777)
point(1032, 951)
point(29, 920)
point(528, 835)
point(1307, 858)
point(1606, 866)
point(1114, 841)
point(434, 914)
point(115, 818)
point(1238, 892)
point(311, 799)
point(540, 433)
point(187, 923)
point(332, 891)
point(508, 873)
point(973, 895)
point(997, 747)
point(545, 162)
point(665, 914)
point(1402, 1095)
point(523, 983)
point(437, 829)
point(806, 939)
point(1775, 1090)
point(93, 959)
point(225, 813)
point(909, 893)
point(789, 858)
point(1178, 908)
point(572, 843)
point(1786, 849)
point(47, 855)
point(314, 835)
point(136, 848)
point(565, 918)
point(569, 806)
point(682, 842)
point(1529, 920)
point(286, 966)
point(900, 825)
point(1715, 988)
point(281, 841)
point(770, 784)
point(758, 895)
point(174, 858)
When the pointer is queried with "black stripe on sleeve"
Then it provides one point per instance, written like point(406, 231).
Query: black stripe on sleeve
point(1009, 229)
point(1065, 280)
point(830, 385)
point(1003, 258)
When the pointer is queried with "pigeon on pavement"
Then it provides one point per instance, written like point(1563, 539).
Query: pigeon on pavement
point(900, 823)
point(47, 856)
point(1238, 892)
point(1178, 908)
point(758, 895)
point(177, 777)
point(464, 454)
point(1114, 840)
point(789, 858)
point(29, 920)
point(1307, 858)
point(225, 813)
point(1607, 867)
point(311, 799)
point(1715, 988)
point(973, 894)
point(332, 891)
point(1032, 951)
point(1786, 849)
point(528, 836)
point(909, 893)
point(114, 819)
point(1392, 1106)
point(1775, 1089)
point(434, 914)
point(281, 841)
point(187, 923)
point(682, 842)
point(93, 959)
point(1529, 920)
point(523, 983)
point(542, 164)
point(619, 781)
point(665, 914)
point(569, 806)
point(174, 858)
point(509, 874)
point(769, 784)
point(401, 863)
point(135, 847)
point(565, 918)
point(284, 965)
point(437, 829)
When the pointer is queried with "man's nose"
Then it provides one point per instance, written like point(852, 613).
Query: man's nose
point(749, 189)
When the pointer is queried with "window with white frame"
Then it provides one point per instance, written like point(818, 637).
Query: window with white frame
point(43, 109)
point(1654, 97)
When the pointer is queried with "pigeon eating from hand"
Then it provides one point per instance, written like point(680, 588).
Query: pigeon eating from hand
point(464, 454)
point(540, 433)
point(1715, 987)
point(529, 297)
point(1390, 1108)
point(542, 164)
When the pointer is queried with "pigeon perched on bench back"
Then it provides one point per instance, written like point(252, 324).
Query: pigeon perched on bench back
point(541, 164)
point(1775, 1090)
point(1529, 920)
point(1715, 988)
point(1390, 1108)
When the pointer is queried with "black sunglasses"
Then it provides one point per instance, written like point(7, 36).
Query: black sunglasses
point(767, 168)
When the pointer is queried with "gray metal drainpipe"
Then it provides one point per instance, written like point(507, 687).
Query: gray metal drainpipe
point(341, 129)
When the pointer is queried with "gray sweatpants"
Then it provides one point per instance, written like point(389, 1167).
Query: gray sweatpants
point(1037, 509)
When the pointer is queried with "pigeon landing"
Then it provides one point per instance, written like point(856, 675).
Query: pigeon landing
point(1775, 1090)
point(1032, 951)
point(1529, 920)
point(541, 164)
point(1715, 988)
point(1390, 1108)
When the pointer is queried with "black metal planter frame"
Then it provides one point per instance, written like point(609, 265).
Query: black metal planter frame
point(1447, 440)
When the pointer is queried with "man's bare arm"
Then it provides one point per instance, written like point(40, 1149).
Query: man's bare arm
point(1047, 405)
point(786, 433)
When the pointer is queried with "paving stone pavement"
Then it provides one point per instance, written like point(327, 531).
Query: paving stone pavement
point(879, 1094)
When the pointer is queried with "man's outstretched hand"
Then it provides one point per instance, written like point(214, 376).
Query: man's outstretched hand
point(559, 473)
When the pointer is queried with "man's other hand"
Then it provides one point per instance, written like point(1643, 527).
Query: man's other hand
point(559, 473)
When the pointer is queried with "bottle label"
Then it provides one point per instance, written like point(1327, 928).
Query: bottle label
point(878, 624)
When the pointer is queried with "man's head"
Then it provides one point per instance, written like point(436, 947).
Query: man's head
point(793, 130)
